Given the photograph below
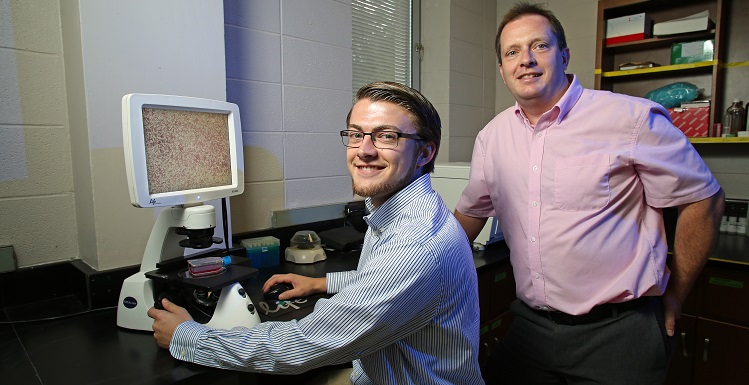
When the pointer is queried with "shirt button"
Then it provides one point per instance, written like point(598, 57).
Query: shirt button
point(536, 275)
point(183, 353)
point(535, 168)
point(533, 239)
point(538, 135)
point(545, 308)
point(534, 204)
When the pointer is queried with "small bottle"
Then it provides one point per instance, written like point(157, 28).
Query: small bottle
point(734, 120)
point(732, 224)
point(741, 226)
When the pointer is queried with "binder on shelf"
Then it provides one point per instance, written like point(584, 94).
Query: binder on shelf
point(697, 22)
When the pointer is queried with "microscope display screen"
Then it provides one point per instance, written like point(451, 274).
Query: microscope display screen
point(181, 150)
point(186, 150)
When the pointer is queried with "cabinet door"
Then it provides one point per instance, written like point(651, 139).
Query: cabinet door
point(726, 293)
point(722, 354)
point(491, 333)
point(680, 370)
point(496, 291)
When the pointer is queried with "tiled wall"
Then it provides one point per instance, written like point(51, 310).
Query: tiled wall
point(288, 67)
point(62, 193)
point(460, 73)
point(37, 208)
point(459, 70)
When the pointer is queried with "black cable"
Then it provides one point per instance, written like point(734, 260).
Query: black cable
point(225, 222)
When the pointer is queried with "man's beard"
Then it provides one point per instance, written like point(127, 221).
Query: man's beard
point(384, 188)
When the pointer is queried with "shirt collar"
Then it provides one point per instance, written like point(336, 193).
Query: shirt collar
point(380, 217)
point(563, 106)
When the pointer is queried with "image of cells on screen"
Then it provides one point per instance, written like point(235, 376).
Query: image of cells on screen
point(186, 150)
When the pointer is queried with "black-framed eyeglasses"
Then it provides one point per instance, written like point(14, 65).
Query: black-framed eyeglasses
point(380, 139)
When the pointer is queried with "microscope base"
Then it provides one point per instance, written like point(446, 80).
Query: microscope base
point(234, 309)
point(136, 297)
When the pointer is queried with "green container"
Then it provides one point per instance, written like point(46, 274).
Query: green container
point(692, 52)
point(263, 251)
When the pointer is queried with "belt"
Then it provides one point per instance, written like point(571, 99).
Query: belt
point(597, 313)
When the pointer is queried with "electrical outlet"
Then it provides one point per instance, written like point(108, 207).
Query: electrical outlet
point(7, 259)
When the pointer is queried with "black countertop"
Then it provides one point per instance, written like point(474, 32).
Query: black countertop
point(89, 348)
point(731, 248)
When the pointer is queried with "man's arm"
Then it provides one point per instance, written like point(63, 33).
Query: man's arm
point(471, 225)
point(696, 233)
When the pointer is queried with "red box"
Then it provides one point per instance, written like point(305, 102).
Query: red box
point(693, 122)
point(627, 28)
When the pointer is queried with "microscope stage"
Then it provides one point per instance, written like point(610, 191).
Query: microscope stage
point(181, 277)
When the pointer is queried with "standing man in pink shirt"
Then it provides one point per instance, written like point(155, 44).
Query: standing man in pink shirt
point(578, 179)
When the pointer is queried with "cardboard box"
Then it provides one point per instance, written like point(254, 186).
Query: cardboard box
point(693, 122)
point(692, 52)
point(628, 28)
point(697, 22)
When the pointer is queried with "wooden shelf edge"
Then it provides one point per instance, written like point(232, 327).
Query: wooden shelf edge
point(728, 261)
point(668, 68)
point(719, 140)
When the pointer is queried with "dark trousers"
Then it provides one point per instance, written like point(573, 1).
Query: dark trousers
point(627, 348)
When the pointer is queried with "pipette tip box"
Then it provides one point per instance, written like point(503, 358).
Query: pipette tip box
point(263, 251)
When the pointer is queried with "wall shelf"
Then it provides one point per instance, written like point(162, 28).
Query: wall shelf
point(668, 68)
point(719, 140)
point(708, 76)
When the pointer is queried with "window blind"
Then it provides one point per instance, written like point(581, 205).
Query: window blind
point(381, 41)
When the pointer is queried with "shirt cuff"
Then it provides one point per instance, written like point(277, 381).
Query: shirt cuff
point(334, 282)
point(185, 340)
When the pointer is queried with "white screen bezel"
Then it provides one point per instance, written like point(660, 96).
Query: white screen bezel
point(135, 155)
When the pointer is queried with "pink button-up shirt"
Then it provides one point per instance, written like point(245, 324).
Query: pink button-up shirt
point(578, 196)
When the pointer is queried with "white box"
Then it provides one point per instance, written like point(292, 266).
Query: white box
point(449, 180)
point(627, 28)
point(697, 22)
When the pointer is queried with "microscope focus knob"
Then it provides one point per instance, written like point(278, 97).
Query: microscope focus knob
point(251, 308)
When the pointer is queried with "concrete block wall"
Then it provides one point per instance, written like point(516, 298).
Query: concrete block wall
point(459, 70)
point(65, 67)
point(286, 63)
point(288, 68)
point(37, 200)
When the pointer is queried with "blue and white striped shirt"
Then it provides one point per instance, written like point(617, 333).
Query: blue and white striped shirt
point(408, 315)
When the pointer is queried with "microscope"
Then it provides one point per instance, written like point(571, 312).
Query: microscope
point(218, 301)
point(180, 153)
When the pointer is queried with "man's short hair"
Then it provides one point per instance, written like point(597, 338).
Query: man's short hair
point(422, 113)
point(524, 8)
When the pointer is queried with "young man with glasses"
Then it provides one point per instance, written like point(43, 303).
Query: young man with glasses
point(409, 313)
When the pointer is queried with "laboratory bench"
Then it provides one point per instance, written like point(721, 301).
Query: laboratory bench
point(66, 343)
